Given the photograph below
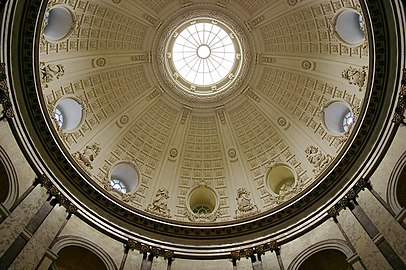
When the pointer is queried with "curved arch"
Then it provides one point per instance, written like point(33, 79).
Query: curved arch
point(394, 177)
point(336, 244)
point(11, 175)
point(72, 240)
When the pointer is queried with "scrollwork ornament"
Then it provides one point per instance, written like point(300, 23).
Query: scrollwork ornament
point(318, 159)
point(50, 72)
point(131, 244)
point(87, 156)
point(245, 207)
point(159, 205)
point(355, 76)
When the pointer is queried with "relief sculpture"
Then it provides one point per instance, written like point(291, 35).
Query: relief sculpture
point(159, 205)
point(319, 159)
point(245, 207)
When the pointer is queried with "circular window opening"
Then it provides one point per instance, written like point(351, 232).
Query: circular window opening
point(202, 201)
point(203, 56)
point(68, 114)
point(338, 117)
point(124, 177)
point(349, 27)
point(59, 22)
point(281, 179)
point(118, 185)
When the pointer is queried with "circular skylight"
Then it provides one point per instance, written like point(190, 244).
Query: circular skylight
point(203, 53)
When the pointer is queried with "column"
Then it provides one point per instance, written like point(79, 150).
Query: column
point(256, 262)
point(392, 233)
point(147, 259)
point(39, 242)
point(279, 258)
point(49, 257)
point(354, 260)
point(363, 244)
point(13, 225)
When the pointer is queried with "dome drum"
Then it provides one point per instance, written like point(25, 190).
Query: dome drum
point(218, 239)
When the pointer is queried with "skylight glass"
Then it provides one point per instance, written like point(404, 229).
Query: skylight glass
point(203, 54)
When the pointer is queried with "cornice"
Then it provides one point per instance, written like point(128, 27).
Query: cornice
point(346, 169)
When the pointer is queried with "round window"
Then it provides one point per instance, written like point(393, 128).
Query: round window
point(68, 114)
point(59, 23)
point(204, 56)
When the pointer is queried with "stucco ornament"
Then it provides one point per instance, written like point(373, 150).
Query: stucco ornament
point(210, 217)
point(50, 72)
point(159, 205)
point(88, 155)
point(245, 207)
point(355, 76)
point(319, 159)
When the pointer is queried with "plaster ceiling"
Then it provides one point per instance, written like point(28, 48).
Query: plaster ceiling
point(178, 140)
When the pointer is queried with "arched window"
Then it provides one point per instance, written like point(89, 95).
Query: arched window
point(68, 114)
point(338, 117)
point(124, 177)
point(349, 27)
point(59, 23)
point(202, 200)
point(280, 178)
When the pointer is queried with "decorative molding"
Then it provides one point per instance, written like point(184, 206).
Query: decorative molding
point(50, 72)
point(222, 3)
point(260, 249)
point(352, 194)
point(99, 62)
point(173, 153)
point(221, 114)
point(185, 113)
point(245, 208)
point(156, 92)
point(356, 76)
point(211, 217)
point(124, 119)
point(252, 94)
point(52, 190)
point(4, 94)
point(87, 156)
point(143, 248)
point(159, 205)
point(399, 116)
point(318, 159)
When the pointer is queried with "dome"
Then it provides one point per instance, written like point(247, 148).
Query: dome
point(243, 124)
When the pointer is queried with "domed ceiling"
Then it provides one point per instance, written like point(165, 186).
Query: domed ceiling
point(200, 114)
